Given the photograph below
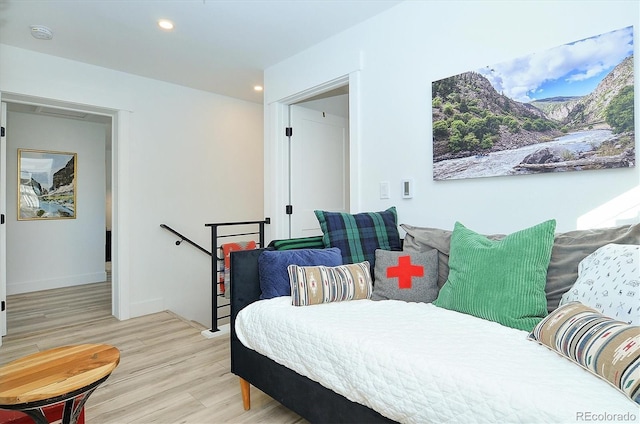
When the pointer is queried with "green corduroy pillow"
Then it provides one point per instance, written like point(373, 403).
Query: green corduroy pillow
point(499, 280)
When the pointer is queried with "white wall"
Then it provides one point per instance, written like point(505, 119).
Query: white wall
point(396, 55)
point(183, 157)
point(335, 105)
point(47, 254)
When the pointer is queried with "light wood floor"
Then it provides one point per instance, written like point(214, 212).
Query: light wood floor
point(168, 372)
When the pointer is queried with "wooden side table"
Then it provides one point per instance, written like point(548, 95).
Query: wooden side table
point(67, 374)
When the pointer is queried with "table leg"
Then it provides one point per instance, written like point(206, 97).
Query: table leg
point(72, 409)
point(67, 412)
point(37, 416)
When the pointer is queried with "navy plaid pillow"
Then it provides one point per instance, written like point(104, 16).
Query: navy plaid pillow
point(358, 236)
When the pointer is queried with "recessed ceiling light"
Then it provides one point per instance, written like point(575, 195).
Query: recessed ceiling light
point(258, 87)
point(41, 32)
point(165, 24)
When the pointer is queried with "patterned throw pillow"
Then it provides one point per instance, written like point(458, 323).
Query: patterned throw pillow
point(605, 347)
point(312, 285)
point(499, 280)
point(609, 281)
point(358, 236)
point(573, 246)
point(408, 276)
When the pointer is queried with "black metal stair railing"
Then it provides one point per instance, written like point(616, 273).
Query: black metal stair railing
point(183, 238)
point(215, 237)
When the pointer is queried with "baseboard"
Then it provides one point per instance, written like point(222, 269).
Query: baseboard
point(56, 283)
point(222, 330)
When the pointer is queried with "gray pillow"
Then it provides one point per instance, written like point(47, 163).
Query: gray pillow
point(422, 239)
point(408, 276)
point(568, 250)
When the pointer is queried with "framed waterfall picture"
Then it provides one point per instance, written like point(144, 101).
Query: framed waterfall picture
point(46, 185)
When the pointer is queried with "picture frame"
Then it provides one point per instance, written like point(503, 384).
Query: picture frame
point(46, 185)
point(567, 108)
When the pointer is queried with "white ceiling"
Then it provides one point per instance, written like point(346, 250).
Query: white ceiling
point(222, 46)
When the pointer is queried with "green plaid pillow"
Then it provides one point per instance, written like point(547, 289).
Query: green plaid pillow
point(358, 236)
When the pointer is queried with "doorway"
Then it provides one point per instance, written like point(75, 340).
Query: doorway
point(319, 159)
point(277, 171)
point(92, 117)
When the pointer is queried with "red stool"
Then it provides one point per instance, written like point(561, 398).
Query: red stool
point(52, 413)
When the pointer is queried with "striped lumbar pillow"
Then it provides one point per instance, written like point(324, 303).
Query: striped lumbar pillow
point(311, 285)
point(603, 346)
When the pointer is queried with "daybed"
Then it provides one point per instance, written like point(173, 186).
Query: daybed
point(397, 361)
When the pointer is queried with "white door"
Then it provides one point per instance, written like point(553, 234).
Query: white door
point(319, 168)
point(3, 225)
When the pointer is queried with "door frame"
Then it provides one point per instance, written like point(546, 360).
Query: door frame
point(120, 135)
point(276, 179)
point(3, 226)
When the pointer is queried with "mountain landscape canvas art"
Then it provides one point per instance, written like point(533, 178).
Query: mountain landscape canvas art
point(569, 108)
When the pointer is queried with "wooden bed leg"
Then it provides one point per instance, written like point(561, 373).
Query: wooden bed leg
point(245, 388)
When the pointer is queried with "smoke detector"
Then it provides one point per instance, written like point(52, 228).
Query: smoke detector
point(41, 32)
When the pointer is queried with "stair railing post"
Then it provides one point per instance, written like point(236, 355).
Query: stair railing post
point(261, 236)
point(214, 274)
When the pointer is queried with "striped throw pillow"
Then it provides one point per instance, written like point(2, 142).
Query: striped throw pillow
point(312, 285)
point(603, 346)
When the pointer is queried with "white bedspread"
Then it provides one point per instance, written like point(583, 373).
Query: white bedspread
point(417, 363)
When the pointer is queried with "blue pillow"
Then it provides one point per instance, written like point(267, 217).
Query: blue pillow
point(272, 266)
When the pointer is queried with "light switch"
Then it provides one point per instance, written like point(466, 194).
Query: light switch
point(385, 190)
point(407, 189)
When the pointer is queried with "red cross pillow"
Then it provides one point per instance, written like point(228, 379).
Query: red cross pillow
point(408, 276)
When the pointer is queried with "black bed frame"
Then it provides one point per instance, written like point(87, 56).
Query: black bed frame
point(307, 398)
